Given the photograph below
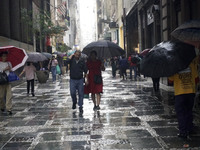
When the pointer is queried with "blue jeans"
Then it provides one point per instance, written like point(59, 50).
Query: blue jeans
point(135, 72)
point(53, 71)
point(77, 85)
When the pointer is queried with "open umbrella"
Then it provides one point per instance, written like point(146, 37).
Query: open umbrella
point(144, 52)
point(36, 57)
point(188, 32)
point(166, 59)
point(48, 55)
point(104, 49)
point(17, 56)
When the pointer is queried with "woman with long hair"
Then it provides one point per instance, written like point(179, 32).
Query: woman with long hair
point(94, 83)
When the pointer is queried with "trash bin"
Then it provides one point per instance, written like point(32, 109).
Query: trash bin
point(42, 76)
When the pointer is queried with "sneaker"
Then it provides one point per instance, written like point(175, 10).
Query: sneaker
point(33, 94)
point(74, 106)
point(9, 112)
point(95, 108)
point(98, 108)
point(81, 109)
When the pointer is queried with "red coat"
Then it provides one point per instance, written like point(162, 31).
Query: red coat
point(94, 68)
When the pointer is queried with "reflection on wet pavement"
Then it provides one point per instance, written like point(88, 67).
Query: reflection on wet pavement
point(131, 117)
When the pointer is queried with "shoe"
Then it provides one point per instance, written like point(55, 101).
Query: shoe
point(2, 109)
point(74, 106)
point(33, 94)
point(97, 107)
point(9, 112)
point(182, 135)
point(81, 109)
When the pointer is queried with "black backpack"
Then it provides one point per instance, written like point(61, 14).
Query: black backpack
point(135, 60)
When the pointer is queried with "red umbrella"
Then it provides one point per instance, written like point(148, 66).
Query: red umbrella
point(144, 52)
point(16, 56)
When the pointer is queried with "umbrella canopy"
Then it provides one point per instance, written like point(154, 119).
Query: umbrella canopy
point(59, 53)
point(104, 49)
point(189, 31)
point(167, 58)
point(144, 52)
point(16, 56)
point(48, 55)
point(36, 57)
point(83, 56)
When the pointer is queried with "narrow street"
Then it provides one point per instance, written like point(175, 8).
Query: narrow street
point(131, 117)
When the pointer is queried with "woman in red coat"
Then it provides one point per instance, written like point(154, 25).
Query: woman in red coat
point(94, 83)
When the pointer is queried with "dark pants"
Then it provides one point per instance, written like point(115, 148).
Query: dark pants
point(30, 83)
point(77, 85)
point(156, 84)
point(183, 106)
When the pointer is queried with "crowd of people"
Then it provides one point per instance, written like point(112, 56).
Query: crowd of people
point(86, 78)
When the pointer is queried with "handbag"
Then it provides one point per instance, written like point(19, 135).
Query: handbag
point(58, 71)
point(3, 78)
point(97, 79)
point(12, 77)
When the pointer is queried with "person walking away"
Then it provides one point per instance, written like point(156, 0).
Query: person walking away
point(156, 84)
point(5, 89)
point(123, 63)
point(135, 60)
point(78, 71)
point(131, 66)
point(95, 86)
point(184, 89)
point(114, 66)
point(29, 71)
point(52, 67)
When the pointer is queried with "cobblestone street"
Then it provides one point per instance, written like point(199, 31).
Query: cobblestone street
point(131, 117)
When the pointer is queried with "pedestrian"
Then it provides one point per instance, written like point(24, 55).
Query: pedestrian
point(123, 64)
point(156, 84)
point(78, 71)
point(114, 65)
point(131, 67)
point(94, 84)
point(52, 67)
point(184, 89)
point(29, 71)
point(5, 89)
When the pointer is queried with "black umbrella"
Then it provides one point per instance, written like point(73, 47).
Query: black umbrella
point(166, 59)
point(188, 31)
point(104, 49)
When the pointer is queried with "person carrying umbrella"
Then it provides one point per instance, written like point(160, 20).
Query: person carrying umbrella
point(184, 89)
point(29, 71)
point(5, 89)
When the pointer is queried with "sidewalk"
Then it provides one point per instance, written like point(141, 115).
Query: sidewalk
point(131, 117)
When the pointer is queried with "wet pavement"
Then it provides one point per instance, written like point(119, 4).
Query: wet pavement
point(132, 117)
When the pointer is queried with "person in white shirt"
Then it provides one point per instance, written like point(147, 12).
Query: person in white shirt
point(29, 71)
point(5, 89)
point(52, 67)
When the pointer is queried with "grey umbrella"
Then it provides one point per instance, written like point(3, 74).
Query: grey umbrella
point(104, 49)
point(166, 59)
point(36, 57)
point(48, 55)
point(189, 31)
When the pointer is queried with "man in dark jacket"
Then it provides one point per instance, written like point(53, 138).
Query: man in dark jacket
point(78, 71)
